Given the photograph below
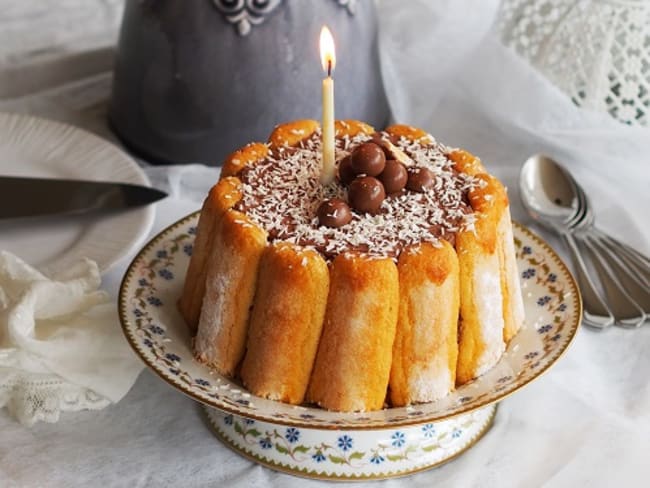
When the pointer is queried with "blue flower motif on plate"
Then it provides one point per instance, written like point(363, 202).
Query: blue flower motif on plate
point(543, 300)
point(155, 301)
point(166, 274)
point(398, 439)
point(428, 430)
point(202, 382)
point(156, 329)
point(527, 274)
point(161, 254)
point(345, 442)
point(265, 443)
point(544, 328)
point(377, 459)
point(172, 357)
point(228, 420)
point(292, 435)
point(188, 248)
point(318, 457)
point(192, 230)
point(143, 282)
point(526, 250)
point(456, 433)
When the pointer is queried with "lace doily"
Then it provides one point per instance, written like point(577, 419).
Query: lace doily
point(31, 398)
point(59, 348)
point(596, 51)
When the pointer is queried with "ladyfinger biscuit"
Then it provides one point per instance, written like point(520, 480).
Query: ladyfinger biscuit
point(351, 128)
point(481, 323)
point(466, 162)
point(223, 196)
point(292, 133)
point(495, 198)
point(426, 349)
point(513, 303)
point(411, 133)
point(230, 286)
point(352, 365)
point(286, 323)
point(247, 155)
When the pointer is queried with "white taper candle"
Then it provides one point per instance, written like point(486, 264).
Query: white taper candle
point(328, 60)
point(327, 171)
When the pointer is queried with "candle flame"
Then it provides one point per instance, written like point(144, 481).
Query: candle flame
point(327, 53)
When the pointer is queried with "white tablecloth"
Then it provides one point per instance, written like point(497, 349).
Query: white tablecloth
point(584, 423)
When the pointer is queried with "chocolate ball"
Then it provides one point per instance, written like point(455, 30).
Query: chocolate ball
point(366, 194)
point(368, 159)
point(377, 139)
point(419, 179)
point(334, 213)
point(394, 176)
point(346, 175)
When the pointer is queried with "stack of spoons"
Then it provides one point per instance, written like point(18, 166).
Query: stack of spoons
point(621, 292)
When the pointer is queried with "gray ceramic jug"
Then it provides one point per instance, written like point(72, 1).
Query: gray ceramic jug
point(196, 79)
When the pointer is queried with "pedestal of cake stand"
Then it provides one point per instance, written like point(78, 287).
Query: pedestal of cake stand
point(368, 454)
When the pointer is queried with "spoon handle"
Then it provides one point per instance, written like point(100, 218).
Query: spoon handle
point(596, 312)
point(625, 309)
point(629, 277)
point(641, 262)
point(640, 256)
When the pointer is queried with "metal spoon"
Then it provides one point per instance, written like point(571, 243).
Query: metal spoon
point(622, 278)
point(637, 288)
point(628, 299)
point(550, 196)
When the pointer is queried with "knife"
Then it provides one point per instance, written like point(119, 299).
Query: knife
point(30, 197)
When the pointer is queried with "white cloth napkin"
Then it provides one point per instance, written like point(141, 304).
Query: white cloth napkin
point(60, 344)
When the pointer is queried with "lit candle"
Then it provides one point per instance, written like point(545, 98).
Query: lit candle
point(328, 60)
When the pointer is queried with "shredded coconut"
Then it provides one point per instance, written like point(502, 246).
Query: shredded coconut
point(282, 194)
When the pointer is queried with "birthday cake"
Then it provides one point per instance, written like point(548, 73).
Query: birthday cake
point(389, 285)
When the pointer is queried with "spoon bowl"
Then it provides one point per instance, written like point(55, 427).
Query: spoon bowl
point(549, 193)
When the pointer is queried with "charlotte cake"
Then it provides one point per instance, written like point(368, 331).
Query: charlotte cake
point(394, 283)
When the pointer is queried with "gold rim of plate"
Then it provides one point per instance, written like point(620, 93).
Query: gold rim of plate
point(122, 311)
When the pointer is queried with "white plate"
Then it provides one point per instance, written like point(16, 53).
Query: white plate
point(156, 331)
point(30, 146)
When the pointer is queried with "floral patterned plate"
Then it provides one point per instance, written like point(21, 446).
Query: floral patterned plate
point(156, 331)
point(260, 428)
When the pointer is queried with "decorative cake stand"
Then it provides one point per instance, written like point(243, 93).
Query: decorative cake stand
point(316, 443)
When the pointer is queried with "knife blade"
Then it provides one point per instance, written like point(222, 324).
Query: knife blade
point(22, 197)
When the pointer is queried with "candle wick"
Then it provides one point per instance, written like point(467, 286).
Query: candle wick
point(329, 67)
